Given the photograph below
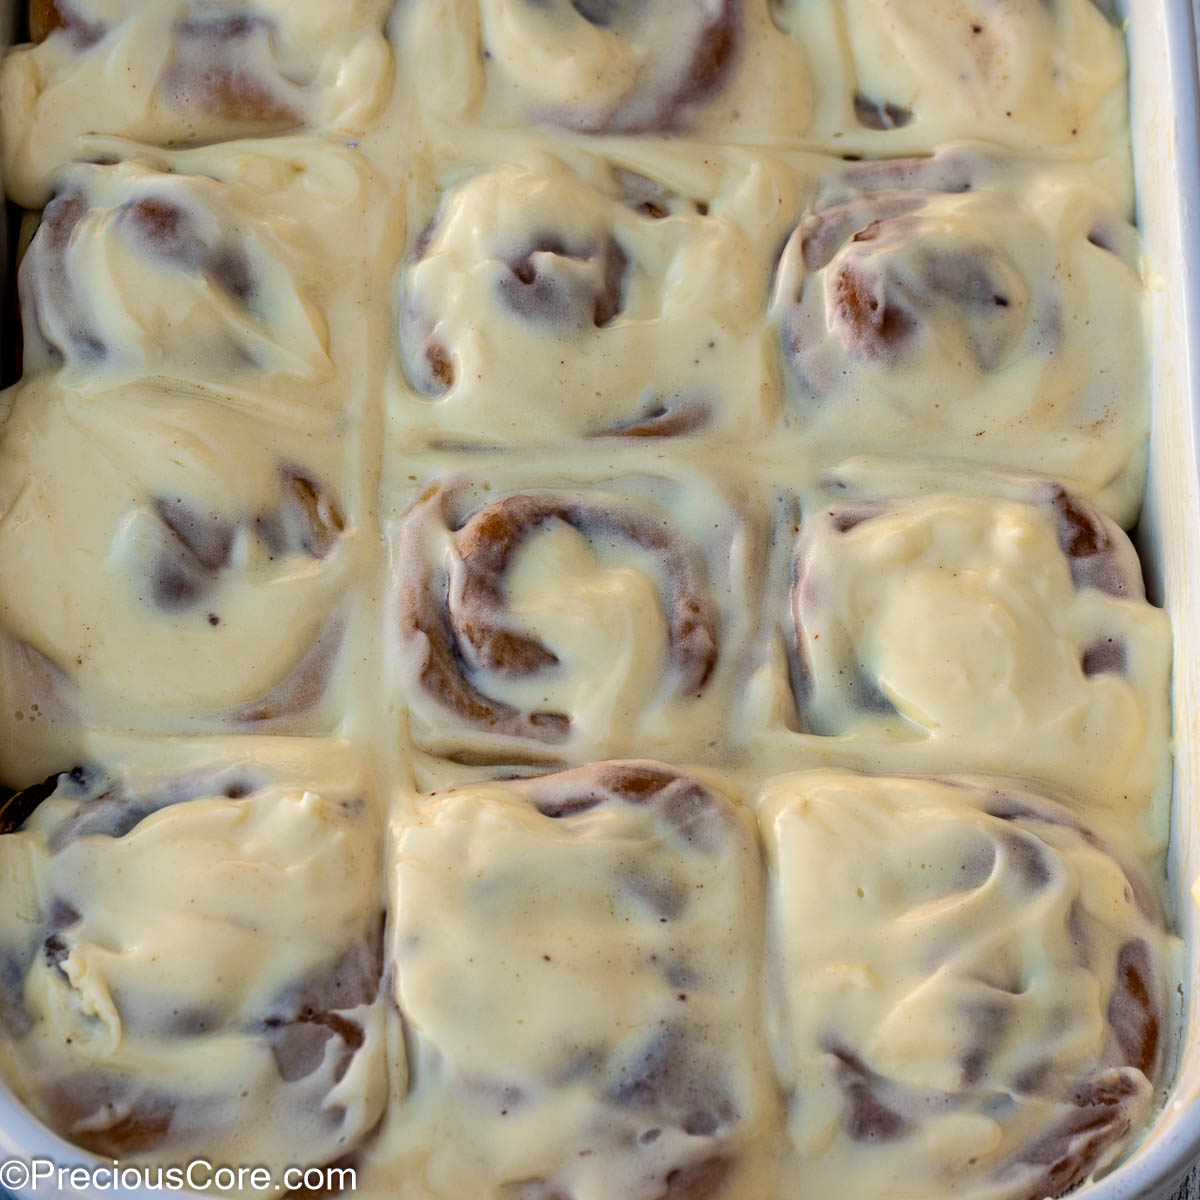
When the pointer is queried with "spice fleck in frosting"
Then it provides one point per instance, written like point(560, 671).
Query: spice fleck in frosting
point(568, 625)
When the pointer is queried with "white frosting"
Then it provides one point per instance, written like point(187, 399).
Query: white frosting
point(235, 294)
point(581, 988)
point(946, 307)
point(541, 308)
point(952, 308)
point(954, 633)
point(179, 933)
point(136, 273)
point(179, 72)
point(883, 77)
point(572, 392)
point(658, 565)
point(1035, 74)
point(712, 66)
point(970, 989)
point(177, 563)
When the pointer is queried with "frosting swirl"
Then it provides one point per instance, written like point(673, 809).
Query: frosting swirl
point(190, 71)
point(541, 308)
point(606, 66)
point(985, 634)
point(965, 307)
point(498, 601)
point(971, 988)
point(1028, 73)
point(587, 1015)
point(133, 272)
point(193, 960)
point(196, 560)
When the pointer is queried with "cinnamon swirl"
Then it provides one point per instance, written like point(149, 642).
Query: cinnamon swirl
point(574, 958)
point(540, 308)
point(190, 71)
point(971, 989)
point(666, 395)
point(965, 633)
point(500, 596)
point(192, 958)
point(967, 307)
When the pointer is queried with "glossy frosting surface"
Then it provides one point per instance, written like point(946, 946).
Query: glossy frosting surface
point(564, 565)
point(599, 989)
point(986, 1018)
point(197, 946)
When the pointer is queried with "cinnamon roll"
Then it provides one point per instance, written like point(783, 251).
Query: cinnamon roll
point(136, 272)
point(1033, 74)
point(965, 633)
point(575, 961)
point(191, 71)
point(192, 959)
point(540, 308)
point(717, 67)
point(501, 594)
point(967, 308)
point(176, 565)
point(971, 989)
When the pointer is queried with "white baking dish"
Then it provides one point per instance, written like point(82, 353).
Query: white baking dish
point(1167, 161)
point(1166, 124)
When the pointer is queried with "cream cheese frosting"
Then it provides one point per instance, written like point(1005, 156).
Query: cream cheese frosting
point(500, 594)
point(874, 76)
point(175, 562)
point(186, 72)
point(945, 306)
point(133, 273)
point(953, 632)
point(705, 66)
point(948, 306)
point(209, 267)
point(563, 559)
point(193, 959)
point(585, 1022)
point(540, 308)
point(970, 988)
point(1045, 75)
